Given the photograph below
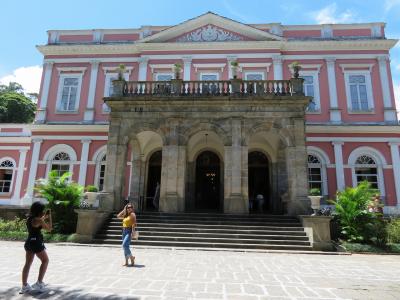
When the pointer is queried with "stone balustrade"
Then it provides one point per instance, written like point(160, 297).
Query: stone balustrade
point(177, 87)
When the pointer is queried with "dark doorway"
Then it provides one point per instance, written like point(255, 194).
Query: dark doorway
point(208, 176)
point(259, 188)
point(153, 181)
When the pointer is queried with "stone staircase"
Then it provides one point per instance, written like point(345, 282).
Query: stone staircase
point(212, 230)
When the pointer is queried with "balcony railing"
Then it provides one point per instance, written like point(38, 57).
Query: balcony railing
point(209, 88)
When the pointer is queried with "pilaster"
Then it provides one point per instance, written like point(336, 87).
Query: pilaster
point(37, 142)
point(143, 68)
point(20, 175)
point(89, 112)
point(187, 67)
point(335, 113)
point(41, 112)
point(278, 69)
point(390, 113)
point(394, 150)
point(337, 147)
point(84, 161)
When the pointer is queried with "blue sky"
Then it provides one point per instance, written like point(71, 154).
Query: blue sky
point(24, 22)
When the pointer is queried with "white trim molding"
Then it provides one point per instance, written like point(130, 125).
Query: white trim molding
point(357, 66)
point(379, 160)
point(61, 78)
point(209, 66)
point(394, 151)
point(340, 182)
point(71, 69)
point(335, 113)
point(368, 83)
point(324, 159)
point(51, 152)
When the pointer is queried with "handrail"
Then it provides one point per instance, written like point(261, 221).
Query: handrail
point(205, 88)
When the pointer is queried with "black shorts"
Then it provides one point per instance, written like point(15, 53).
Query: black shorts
point(34, 245)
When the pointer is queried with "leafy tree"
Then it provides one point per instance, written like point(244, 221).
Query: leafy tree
point(63, 196)
point(16, 108)
point(11, 87)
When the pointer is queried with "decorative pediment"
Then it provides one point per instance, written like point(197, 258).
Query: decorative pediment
point(209, 33)
point(210, 27)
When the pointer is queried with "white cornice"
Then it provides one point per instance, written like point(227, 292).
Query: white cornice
point(114, 69)
point(161, 66)
point(71, 69)
point(69, 128)
point(209, 66)
point(239, 45)
point(254, 65)
point(357, 66)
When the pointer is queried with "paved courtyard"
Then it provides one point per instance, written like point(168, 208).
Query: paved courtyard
point(83, 272)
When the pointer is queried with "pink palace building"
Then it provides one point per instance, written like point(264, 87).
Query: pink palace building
point(221, 134)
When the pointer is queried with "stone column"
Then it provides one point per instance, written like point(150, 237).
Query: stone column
point(143, 68)
point(136, 173)
point(389, 110)
point(296, 165)
point(20, 175)
point(172, 190)
point(234, 200)
point(89, 112)
point(116, 164)
point(337, 147)
point(278, 69)
point(33, 166)
point(84, 161)
point(394, 150)
point(41, 112)
point(335, 113)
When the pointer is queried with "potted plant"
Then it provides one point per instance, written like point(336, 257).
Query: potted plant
point(177, 82)
point(121, 71)
point(315, 197)
point(295, 66)
point(91, 195)
point(235, 82)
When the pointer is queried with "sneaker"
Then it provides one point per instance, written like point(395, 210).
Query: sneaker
point(25, 289)
point(39, 287)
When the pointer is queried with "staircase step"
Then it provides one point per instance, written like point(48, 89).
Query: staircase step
point(212, 230)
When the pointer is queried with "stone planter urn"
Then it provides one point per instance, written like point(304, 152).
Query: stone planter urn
point(236, 84)
point(118, 87)
point(92, 199)
point(89, 222)
point(176, 86)
point(315, 203)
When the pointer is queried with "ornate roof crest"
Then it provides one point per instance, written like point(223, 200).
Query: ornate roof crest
point(209, 33)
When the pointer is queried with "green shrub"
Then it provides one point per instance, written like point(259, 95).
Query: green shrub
point(314, 192)
point(351, 209)
point(91, 188)
point(393, 231)
point(18, 225)
point(63, 197)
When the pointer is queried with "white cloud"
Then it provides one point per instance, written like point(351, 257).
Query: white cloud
point(389, 4)
point(329, 15)
point(28, 77)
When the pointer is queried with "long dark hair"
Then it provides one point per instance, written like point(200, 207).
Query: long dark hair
point(36, 210)
point(126, 209)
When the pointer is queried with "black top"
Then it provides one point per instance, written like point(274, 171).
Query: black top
point(33, 232)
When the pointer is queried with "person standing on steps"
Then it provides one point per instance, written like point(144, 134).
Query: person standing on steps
point(36, 221)
point(128, 217)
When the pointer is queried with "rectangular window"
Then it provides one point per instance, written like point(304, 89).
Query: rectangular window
point(255, 76)
point(358, 92)
point(314, 178)
point(69, 92)
point(311, 89)
point(164, 76)
point(60, 168)
point(5, 180)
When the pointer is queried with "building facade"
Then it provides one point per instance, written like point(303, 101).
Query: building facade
point(208, 146)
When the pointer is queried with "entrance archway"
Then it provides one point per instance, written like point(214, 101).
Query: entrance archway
point(208, 181)
point(259, 183)
point(153, 181)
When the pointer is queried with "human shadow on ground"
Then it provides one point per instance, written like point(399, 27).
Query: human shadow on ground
point(59, 293)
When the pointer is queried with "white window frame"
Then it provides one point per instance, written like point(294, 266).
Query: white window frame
point(97, 158)
point(163, 73)
point(380, 164)
point(13, 173)
point(324, 159)
point(61, 78)
point(317, 98)
point(246, 73)
point(56, 149)
point(370, 99)
point(208, 73)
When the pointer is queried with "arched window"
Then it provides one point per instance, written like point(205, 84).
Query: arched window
point(365, 168)
point(315, 179)
point(7, 168)
point(61, 162)
point(102, 170)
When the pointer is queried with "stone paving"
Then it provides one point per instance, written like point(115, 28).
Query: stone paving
point(84, 272)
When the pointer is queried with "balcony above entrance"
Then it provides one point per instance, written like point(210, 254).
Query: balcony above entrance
point(218, 88)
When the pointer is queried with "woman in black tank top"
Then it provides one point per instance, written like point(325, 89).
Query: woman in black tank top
point(36, 221)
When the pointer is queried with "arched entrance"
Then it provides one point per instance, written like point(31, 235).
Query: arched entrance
point(153, 181)
point(259, 182)
point(208, 181)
